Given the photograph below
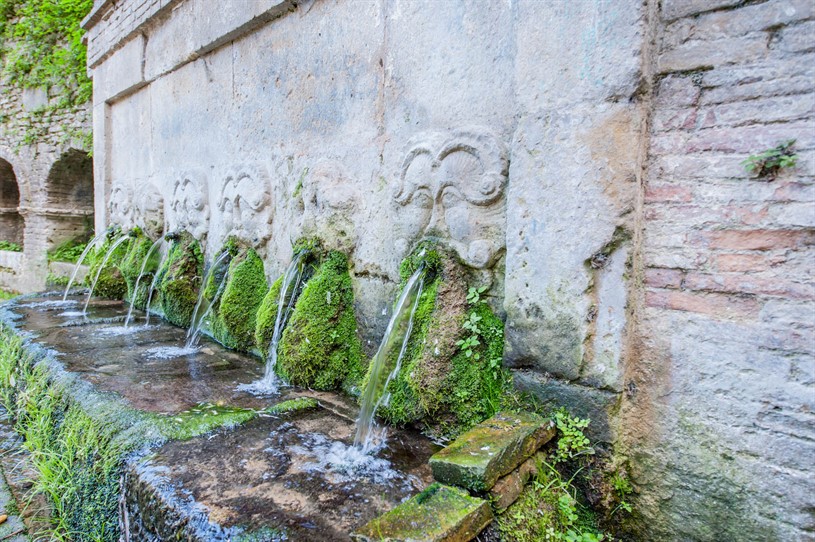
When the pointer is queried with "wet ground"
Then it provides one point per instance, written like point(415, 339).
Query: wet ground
point(290, 477)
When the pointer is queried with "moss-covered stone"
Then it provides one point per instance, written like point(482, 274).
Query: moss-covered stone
point(180, 278)
point(452, 376)
point(439, 513)
point(235, 312)
point(111, 283)
point(130, 267)
point(319, 348)
point(479, 457)
point(266, 317)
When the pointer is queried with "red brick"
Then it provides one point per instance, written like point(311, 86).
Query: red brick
point(668, 192)
point(720, 306)
point(664, 278)
point(747, 263)
point(760, 239)
point(739, 283)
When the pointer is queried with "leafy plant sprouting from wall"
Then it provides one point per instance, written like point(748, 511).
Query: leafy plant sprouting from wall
point(770, 162)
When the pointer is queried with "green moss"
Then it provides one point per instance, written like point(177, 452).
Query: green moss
point(320, 348)
point(266, 316)
point(131, 265)
point(180, 278)
point(235, 315)
point(451, 376)
point(111, 283)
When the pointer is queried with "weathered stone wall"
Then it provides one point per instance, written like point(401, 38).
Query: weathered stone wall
point(34, 136)
point(721, 388)
point(583, 158)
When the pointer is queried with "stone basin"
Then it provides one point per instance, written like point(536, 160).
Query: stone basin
point(289, 476)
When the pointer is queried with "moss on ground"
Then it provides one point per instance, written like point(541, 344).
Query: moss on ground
point(235, 312)
point(319, 348)
point(180, 278)
point(451, 376)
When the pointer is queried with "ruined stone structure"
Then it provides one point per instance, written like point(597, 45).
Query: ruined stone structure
point(46, 183)
point(584, 158)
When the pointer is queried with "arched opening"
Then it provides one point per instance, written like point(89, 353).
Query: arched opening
point(69, 198)
point(11, 222)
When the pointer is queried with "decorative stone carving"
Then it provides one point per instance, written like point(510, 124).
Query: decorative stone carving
point(149, 212)
point(245, 204)
point(453, 185)
point(120, 206)
point(330, 200)
point(189, 206)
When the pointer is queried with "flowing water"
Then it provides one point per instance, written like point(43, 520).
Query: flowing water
point(198, 317)
point(153, 284)
point(81, 259)
point(138, 279)
point(397, 332)
point(108, 254)
point(291, 284)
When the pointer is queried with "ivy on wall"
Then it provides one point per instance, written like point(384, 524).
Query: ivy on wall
point(41, 46)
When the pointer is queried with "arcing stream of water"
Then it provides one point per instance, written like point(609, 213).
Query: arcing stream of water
point(152, 249)
point(81, 259)
point(121, 239)
point(289, 288)
point(198, 317)
point(398, 331)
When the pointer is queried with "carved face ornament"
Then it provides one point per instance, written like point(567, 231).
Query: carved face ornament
point(190, 206)
point(244, 205)
point(454, 188)
point(121, 205)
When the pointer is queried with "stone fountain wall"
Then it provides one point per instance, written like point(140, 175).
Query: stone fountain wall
point(581, 157)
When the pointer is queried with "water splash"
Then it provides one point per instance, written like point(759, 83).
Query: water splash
point(169, 352)
point(198, 317)
point(81, 259)
point(289, 288)
point(138, 279)
point(376, 392)
point(121, 239)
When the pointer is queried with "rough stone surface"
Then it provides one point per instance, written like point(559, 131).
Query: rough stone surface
point(437, 514)
point(508, 488)
point(490, 450)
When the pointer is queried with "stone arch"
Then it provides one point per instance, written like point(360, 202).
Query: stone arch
point(69, 203)
point(11, 221)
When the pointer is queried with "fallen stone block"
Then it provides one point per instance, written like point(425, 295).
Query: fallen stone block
point(438, 514)
point(490, 450)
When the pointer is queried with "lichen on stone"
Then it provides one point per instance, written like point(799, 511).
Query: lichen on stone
point(180, 278)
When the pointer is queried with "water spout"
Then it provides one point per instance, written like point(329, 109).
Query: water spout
point(290, 285)
point(199, 317)
point(108, 254)
point(398, 331)
point(153, 284)
point(138, 279)
point(81, 259)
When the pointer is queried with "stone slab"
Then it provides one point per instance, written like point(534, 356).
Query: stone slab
point(479, 457)
point(508, 488)
point(439, 513)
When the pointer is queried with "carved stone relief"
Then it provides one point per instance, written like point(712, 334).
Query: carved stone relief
point(452, 187)
point(244, 204)
point(149, 212)
point(330, 201)
point(120, 206)
point(189, 206)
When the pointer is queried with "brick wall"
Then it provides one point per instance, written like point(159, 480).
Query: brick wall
point(723, 384)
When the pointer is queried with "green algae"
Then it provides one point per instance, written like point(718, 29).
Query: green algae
point(319, 348)
point(235, 312)
point(179, 279)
